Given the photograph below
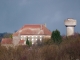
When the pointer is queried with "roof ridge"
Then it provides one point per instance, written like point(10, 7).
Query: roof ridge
point(34, 24)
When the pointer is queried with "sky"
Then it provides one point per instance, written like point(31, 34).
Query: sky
point(16, 13)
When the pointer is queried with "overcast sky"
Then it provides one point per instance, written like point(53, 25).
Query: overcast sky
point(16, 13)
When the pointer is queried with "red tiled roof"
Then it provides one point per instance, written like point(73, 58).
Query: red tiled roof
point(33, 30)
point(21, 42)
point(6, 41)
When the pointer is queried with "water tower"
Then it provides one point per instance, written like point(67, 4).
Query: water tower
point(70, 24)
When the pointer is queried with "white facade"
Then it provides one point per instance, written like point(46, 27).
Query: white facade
point(32, 38)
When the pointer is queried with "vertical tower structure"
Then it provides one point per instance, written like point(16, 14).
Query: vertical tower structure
point(70, 24)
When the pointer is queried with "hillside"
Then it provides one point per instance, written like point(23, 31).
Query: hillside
point(68, 49)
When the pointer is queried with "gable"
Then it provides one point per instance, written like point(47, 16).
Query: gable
point(33, 30)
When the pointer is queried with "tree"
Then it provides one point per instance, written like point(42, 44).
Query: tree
point(11, 36)
point(56, 37)
point(27, 42)
point(7, 35)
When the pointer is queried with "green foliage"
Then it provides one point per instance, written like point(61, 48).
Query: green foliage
point(7, 35)
point(11, 36)
point(47, 42)
point(56, 37)
point(29, 43)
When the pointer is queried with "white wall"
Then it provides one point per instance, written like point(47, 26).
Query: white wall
point(32, 38)
point(16, 40)
point(70, 31)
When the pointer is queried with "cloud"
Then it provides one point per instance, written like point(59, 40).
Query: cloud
point(15, 13)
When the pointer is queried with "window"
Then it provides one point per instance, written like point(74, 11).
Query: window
point(32, 39)
point(40, 39)
point(25, 37)
point(36, 39)
point(40, 36)
point(22, 37)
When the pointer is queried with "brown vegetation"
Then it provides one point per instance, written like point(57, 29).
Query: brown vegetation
point(69, 49)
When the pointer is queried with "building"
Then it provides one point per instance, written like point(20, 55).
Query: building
point(32, 32)
point(7, 42)
point(36, 33)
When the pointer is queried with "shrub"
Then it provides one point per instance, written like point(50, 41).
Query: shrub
point(29, 43)
point(69, 49)
point(56, 37)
